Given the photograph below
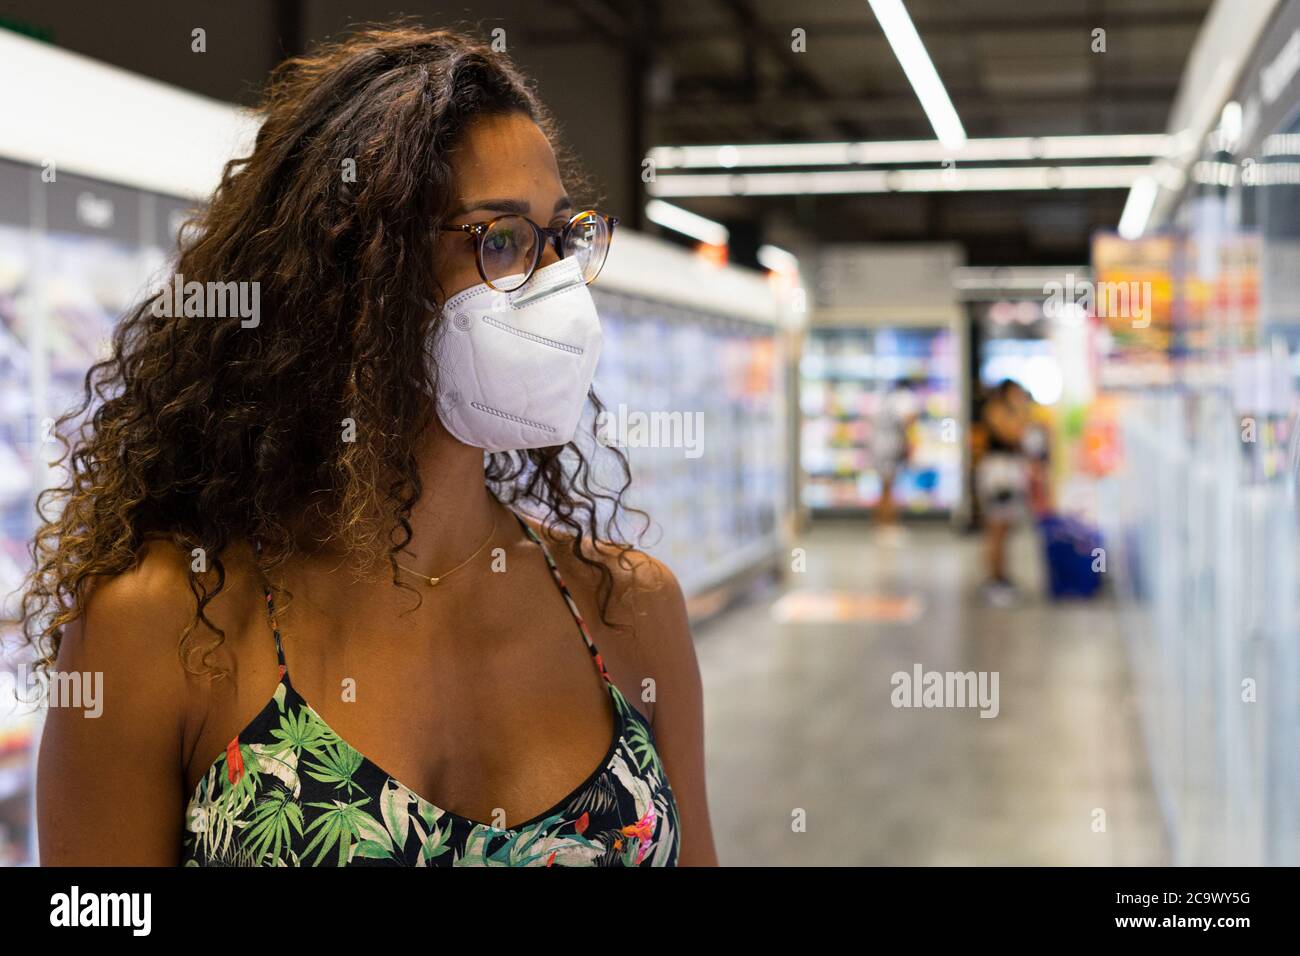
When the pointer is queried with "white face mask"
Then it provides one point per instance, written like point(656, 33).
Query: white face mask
point(514, 368)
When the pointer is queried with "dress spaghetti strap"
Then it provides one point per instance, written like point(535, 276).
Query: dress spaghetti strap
point(270, 612)
point(564, 591)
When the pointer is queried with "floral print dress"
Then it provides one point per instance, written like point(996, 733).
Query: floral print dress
point(289, 791)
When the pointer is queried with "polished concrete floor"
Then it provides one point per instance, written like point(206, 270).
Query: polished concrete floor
point(811, 764)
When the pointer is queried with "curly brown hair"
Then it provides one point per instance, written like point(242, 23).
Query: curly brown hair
point(206, 433)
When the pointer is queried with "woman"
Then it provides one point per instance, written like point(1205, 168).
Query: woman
point(325, 637)
point(891, 450)
point(1002, 481)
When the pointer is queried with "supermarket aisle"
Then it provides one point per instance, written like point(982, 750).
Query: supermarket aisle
point(799, 717)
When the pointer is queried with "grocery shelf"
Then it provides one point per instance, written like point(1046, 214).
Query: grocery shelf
point(844, 374)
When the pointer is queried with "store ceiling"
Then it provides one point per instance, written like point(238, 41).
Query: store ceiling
point(722, 71)
point(1012, 68)
point(725, 73)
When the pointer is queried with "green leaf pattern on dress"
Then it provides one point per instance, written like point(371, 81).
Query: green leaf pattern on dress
point(289, 791)
point(305, 797)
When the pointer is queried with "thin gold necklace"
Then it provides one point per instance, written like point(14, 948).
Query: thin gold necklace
point(433, 582)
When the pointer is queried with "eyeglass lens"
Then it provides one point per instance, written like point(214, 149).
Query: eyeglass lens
point(587, 240)
point(509, 251)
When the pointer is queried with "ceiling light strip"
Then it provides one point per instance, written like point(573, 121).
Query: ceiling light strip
point(983, 179)
point(1001, 149)
point(1137, 210)
point(916, 63)
point(687, 223)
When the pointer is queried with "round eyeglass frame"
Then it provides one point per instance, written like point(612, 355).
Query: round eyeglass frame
point(555, 234)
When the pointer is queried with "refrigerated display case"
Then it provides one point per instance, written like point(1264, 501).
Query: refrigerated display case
point(1202, 510)
point(74, 254)
point(703, 350)
point(18, 419)
point(717, 495)
point(19, 432)
point(845, 375)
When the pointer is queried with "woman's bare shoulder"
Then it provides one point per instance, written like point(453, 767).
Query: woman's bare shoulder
point(630, 569)
point(646, 602)
point(134, 621)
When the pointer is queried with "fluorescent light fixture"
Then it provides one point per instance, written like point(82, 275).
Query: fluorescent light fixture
point(1230, 125)
point(1210, 173)
point(1282, 144)
point(1137, 210)
point(916, 63)
point(1169, 176)
point(687, 223)
point(972, 179)
point(777, 259)
point(769, 184)
point(87, 117)
point(997, 178)
point(905, 152)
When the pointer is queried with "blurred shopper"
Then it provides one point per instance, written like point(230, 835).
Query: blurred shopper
point(1037, 447)
point(891, 450)
point(1002, 480)
point(367, 450)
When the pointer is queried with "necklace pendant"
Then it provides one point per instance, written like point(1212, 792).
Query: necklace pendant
point(433, 582)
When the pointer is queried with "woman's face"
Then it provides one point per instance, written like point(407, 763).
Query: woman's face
point(503, 165)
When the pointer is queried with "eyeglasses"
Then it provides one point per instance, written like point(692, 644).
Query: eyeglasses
point(509, 248)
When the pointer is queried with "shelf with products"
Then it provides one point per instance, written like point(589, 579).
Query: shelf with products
point(845, 374)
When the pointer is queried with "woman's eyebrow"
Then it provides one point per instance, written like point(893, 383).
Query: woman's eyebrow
point(512, 207)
